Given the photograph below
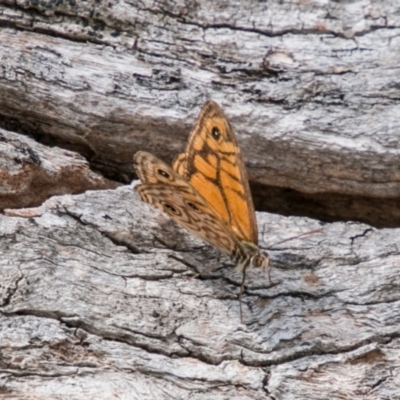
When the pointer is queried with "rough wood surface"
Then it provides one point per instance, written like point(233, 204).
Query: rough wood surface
point(311, 88)
point(98, 294)
point(98, 301)
point(30, 172)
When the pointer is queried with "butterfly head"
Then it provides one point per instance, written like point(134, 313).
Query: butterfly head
point(253, 257)
point(259, 260)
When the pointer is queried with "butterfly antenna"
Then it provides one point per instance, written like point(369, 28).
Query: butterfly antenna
point(297, 236)
point(241, 294)
point(286, 240)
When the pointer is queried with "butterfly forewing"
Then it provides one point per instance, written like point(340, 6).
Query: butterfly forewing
point(213, 165)
point(166, 190)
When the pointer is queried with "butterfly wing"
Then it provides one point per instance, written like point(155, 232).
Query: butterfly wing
point(164, 189)
point(213, 165)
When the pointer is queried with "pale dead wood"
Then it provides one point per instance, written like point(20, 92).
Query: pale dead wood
point(97, 301)
point(96, 295)
point(30, 172)
point(310, 86)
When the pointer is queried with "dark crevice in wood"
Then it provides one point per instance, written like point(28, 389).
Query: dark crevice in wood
point(23, 125)
point(117, 241)
point(180, 17)
point(327, 207)
point(89, 36)
point(115, 164)
point(319, 350)
point(11, 292)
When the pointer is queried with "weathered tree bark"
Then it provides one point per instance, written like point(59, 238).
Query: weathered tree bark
point(97, 298)
point(311, 88)
point(98, 292)
point(98, 301)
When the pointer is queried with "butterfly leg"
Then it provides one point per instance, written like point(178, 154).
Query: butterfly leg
point(241, 294)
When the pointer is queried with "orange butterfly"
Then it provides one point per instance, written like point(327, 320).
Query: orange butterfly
point(207, 190)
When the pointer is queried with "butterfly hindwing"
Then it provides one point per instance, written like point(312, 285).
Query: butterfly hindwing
point(166, 190)
point(213, 165)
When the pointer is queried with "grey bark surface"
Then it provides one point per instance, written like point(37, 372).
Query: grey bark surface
point(311, 89)
point(99, 296)
point(99, 300)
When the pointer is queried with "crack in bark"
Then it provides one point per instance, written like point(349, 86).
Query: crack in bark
point(12, 291)
point(363, 234)
point(41, 374)
point(113, 238)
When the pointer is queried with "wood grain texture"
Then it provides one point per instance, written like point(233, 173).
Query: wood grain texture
point(311, 88)
point(98, 300)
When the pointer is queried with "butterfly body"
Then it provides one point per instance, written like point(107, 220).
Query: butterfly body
point(207, 190)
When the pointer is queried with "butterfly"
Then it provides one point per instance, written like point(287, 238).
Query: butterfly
point(207, 190)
